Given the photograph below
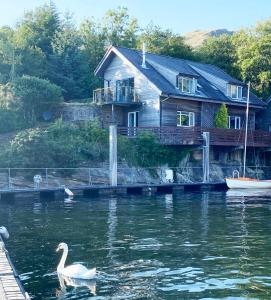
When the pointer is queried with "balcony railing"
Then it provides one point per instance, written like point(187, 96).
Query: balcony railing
point(125, 95)
point(193, 136)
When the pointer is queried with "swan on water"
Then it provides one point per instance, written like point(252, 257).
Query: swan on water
point(73, 271)
point(4, 232)
point(65, 281)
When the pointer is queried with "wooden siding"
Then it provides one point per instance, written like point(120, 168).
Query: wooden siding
point(170, 107)
point(149, 113)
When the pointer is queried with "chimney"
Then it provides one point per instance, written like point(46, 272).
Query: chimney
point(144, 56)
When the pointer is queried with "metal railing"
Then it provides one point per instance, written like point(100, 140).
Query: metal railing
point(23, 178)
point(126, 94)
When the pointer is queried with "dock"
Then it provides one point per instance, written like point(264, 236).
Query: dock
point(10, 285)
point(99, 190)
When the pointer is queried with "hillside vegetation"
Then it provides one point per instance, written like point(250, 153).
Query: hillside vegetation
point(46, 59)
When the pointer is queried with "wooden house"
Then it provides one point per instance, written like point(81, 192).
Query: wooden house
point(176, 99)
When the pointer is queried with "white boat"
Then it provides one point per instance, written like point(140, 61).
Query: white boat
point(245, 182)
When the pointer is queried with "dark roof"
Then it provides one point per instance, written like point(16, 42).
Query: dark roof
point(209, 77)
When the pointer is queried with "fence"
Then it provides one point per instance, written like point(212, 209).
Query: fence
point(23, 178)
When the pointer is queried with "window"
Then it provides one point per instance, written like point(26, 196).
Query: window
point(234, 91)
point(234, 122)
point(186, 84)
point(125, 90)
point(186, 119)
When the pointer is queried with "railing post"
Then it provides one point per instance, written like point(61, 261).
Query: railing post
point(46, 177)
point(89, 177)
point(113, 162)
point(9, 182)
point(205, 156)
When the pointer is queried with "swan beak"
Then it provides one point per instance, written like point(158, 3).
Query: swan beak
point(57, 249)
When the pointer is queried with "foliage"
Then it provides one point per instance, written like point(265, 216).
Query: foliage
point(220, 51)
point(221, 117)
point(11, 120)
point(59, 145)
point(146, 151)
point(32, 92)
point(165, 42)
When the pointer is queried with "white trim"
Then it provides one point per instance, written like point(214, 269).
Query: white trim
point(191, 118)
point(191, 81)
point(237, 121)
point(134, 113)
point(229, 89)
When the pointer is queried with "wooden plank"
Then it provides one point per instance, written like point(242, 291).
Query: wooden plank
point(10, 285)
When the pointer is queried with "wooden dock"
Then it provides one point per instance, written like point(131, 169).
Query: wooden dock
point(10, 284)
point(96, 190)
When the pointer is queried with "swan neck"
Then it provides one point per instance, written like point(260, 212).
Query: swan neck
point(63, 260)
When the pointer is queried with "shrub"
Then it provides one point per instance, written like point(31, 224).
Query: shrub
point(32, 92)
point(221, 117)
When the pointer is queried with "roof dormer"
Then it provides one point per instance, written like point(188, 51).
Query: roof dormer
point(186, 84)
point(235, 91)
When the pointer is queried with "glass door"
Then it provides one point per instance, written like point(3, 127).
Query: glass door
point(132, 122)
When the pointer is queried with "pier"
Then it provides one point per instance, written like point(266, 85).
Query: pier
point(96, 190)
point(10, 285)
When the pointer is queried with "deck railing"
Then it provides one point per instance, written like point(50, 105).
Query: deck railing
point(125, 95)
point(193, 136)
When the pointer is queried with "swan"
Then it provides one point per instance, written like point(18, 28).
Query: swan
point(77, 271)
point(75, 282)
point(4, 232)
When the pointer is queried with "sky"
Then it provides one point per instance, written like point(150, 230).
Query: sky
point(180, 16)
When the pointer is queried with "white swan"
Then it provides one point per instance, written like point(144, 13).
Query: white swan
point(4, 232)
point(73, 271)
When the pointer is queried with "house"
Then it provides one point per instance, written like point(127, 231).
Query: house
point(176, 99)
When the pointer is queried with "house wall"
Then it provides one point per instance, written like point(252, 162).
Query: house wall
point(204, 112)
point(170, 107)
point(149, 113)
point(264, 118)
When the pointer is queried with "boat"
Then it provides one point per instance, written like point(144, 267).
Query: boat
point(246, 182)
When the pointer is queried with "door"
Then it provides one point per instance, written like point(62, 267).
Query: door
point(132, 122)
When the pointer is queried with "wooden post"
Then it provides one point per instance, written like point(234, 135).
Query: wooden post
point(205, 157)
point(113, 155)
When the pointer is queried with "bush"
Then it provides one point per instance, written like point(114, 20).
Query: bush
point(221, 117)
point(11, 120)
point(32, 92)
point(59, 145)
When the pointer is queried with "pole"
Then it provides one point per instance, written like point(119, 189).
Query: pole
point(206, 154)
point(245, 149)
point(113, 158)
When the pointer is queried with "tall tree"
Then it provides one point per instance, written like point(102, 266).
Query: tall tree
point(165, 42)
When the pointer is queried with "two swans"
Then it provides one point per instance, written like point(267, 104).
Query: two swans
point(77, 271)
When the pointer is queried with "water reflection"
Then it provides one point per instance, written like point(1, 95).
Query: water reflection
point(210, 245)
point(65, 282)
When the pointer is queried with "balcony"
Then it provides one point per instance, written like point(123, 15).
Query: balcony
point(126, 95)
point(193, 136)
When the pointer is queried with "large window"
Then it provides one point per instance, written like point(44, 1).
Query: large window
point(234, 122)
point(234, 91)
point(186, 119)
point(186, 84)
point(125, 90)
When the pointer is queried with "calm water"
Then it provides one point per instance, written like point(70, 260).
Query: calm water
point(189, 246)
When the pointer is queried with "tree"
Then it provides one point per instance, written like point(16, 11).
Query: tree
point(32, 92)
point(119, 28)
point(164, 42)
point(220, 51)
point(221, 117)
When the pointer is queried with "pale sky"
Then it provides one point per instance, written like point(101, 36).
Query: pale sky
point(180, 16)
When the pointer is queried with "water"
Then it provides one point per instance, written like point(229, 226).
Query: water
point(209, 245)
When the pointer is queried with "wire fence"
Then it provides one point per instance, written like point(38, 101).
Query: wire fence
point(46, 178)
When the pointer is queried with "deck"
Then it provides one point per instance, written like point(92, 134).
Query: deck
point(10, 285)
point(193, 136)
